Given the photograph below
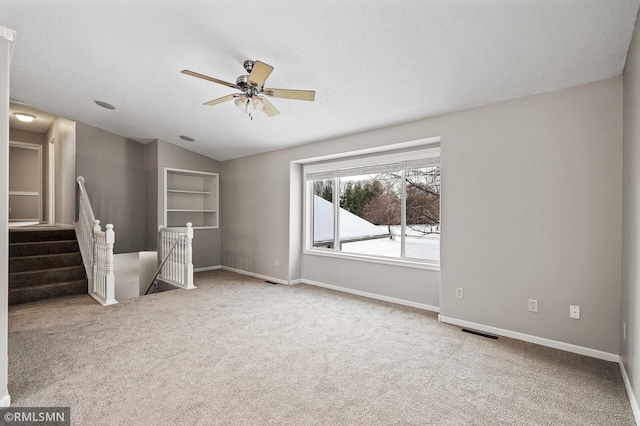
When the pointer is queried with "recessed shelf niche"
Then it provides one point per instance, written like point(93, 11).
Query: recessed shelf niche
point(191, 196)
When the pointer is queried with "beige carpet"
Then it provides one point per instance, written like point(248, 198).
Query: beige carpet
point(238, 351)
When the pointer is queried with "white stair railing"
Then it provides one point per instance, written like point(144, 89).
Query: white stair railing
point(104, 282)
point(96, 247)
point(84, 228)
point(176, 251)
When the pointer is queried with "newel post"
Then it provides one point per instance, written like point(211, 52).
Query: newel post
point(189, 259)
point(110, 239)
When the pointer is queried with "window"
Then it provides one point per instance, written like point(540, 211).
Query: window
point(382, 207)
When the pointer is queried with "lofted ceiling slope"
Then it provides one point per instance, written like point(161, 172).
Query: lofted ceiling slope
point(372, 63)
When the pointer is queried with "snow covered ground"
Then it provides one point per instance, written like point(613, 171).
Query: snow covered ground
point(418, 246)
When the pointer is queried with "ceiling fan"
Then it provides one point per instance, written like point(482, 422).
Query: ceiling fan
point(253, 90)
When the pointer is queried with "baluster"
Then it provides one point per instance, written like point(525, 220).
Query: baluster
point(179, 259)
point(165, 252)
point(173, 258)
point(94, 257)
point(103, 264)
point(189, 256)
point(165, 268)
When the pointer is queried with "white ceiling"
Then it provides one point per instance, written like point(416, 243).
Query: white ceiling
point(372, 63)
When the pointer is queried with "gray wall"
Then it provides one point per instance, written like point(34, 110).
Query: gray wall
point(206, 242)
point(113, 168)
point(151, 195)
point(531, 208)
point(63, 132)
point(18, 135)
point(125, 182)
point(630, 347)
point(255, 213)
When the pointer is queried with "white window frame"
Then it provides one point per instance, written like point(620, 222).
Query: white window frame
point(351, 163)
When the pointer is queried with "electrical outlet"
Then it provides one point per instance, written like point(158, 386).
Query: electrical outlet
point(276, 262)
point(459, 292)
point(574, 312)
point(624, 330)
point(533, 305)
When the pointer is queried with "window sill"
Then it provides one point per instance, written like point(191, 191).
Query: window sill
point(379, 260)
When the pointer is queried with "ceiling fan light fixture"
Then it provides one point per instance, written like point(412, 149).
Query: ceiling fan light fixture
point(242, 103)
point(27, 118)
point(258, 105)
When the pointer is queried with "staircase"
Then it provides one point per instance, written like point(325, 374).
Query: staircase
point(44, 262)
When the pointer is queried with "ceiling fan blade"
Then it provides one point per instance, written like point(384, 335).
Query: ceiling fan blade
point(260, 73)
point(269, 109)
point(222, 99)
point(206, 77)
point(302, 95)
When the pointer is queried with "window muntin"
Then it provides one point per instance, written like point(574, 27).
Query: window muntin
point(382, 208)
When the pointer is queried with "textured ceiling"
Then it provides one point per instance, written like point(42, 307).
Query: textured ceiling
point(372, 63)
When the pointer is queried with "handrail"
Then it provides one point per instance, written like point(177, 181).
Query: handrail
point(85, 220)
point(84, 195)
point(173, 246)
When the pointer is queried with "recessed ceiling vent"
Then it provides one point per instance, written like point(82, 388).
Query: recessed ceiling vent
point(104, 104)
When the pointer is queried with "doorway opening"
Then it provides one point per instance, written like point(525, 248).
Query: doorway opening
point(25, 183)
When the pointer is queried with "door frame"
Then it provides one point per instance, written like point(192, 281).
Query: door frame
point(38, 148)
point(51, 181)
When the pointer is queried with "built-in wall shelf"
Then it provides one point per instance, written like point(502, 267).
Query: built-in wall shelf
point(191, 196)
point(189, 192)
point(191, 210)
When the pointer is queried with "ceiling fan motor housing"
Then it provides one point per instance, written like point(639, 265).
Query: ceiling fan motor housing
point(243, 82)
point(247, 88)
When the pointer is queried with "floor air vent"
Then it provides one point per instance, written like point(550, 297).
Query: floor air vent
point(477, 333)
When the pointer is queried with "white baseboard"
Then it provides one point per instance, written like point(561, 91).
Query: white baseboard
point(253, 274)
point(298, 281)
point(581, 350)
point(5, 401)
point(207, 268)
point(374, 296)
point(632, 397)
